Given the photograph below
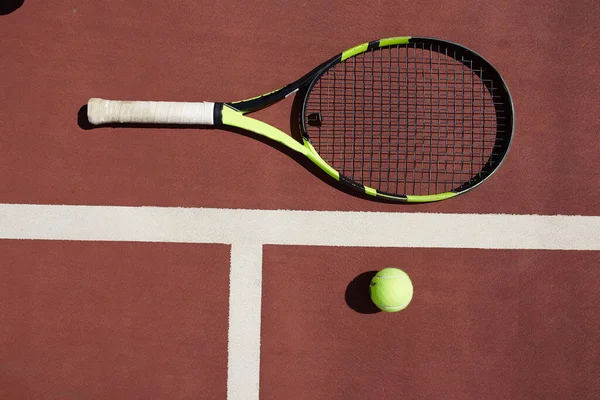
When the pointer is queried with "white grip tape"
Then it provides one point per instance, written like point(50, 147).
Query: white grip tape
point(102, 111)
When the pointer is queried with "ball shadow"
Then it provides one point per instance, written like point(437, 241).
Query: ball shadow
point(357, 294)
point(10, 6)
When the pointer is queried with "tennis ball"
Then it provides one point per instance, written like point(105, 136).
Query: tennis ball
point(391, 289)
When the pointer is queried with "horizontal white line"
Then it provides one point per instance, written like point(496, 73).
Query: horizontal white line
point(317, 228)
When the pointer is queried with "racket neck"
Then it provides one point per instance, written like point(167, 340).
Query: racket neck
point(257, 103)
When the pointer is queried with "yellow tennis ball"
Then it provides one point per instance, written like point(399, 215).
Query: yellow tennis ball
point(391, 289)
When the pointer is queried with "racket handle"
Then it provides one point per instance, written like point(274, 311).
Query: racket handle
point(102, 111)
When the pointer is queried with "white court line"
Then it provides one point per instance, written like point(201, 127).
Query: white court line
point(243, 346)
point(248, 230)
point(317, 228)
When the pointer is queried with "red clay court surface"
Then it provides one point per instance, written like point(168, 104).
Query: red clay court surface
point(94, 306)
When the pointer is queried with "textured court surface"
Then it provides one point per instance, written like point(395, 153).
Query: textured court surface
point(154, 263)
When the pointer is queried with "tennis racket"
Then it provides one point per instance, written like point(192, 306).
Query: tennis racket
point(407, 119)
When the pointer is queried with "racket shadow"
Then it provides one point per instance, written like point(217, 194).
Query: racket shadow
point(84, 124)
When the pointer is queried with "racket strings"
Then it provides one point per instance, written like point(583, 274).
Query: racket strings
point(409, 119)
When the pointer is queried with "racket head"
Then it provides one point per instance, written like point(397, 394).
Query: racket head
point(408, 119)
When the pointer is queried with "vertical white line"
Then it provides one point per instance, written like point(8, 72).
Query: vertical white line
point(245, 293)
